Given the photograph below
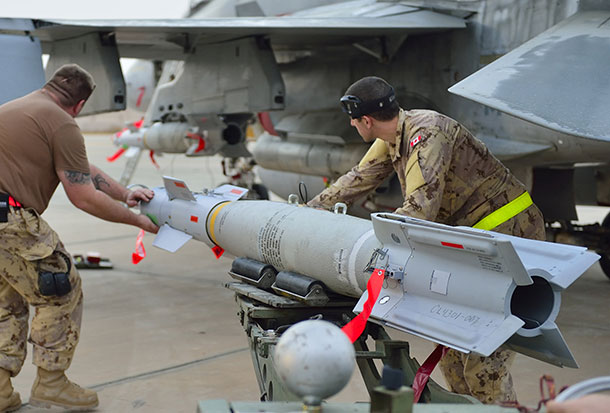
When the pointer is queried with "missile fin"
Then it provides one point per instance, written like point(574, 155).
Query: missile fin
point(548, 346)
point(230, 192)
point(132, 151)
point(177, 189)
point(170, 239)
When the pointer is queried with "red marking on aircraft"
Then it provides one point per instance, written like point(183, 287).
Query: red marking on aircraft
point(449, 244)
point(142, 89)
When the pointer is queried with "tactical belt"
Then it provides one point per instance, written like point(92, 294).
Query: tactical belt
point(5, 201)
point(501, 215)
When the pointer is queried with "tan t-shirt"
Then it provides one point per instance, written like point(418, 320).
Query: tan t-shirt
point(37, 137)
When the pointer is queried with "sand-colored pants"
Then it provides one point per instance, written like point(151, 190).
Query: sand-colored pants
point(487, 379)
point(28, 245)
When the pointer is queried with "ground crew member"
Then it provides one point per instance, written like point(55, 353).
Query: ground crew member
point(446, 176)
point(41, 146)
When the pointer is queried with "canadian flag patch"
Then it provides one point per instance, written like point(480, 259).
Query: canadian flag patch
point(415, 141)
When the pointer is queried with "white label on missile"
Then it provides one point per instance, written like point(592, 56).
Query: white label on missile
point(439, 281)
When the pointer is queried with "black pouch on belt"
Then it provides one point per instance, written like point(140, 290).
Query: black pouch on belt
point(55, 283)
point(3, 207)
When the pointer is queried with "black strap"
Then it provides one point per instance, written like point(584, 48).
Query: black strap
point(3, 207)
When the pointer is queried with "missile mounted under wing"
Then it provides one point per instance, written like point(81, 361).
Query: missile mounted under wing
point(469, 289)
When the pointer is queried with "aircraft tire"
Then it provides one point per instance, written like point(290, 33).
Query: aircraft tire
point(604, 261)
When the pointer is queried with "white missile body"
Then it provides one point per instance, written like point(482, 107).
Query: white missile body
point(171, 137)
point(471, 290)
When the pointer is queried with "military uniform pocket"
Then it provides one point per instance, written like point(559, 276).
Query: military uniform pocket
point(30, 236)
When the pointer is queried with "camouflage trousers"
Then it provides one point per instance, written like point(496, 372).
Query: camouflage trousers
point(29, 245)
point(487, 379)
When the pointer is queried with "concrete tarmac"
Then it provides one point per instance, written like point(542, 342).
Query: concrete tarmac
point(163, 334)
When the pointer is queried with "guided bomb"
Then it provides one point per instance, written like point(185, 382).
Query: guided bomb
point(468, 289)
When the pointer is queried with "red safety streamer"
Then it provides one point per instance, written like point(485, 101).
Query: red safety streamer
point(424, 372)
point(354, 328)
point(199, 138)
point(116, 155)
point(152, 159)
point(265, 120)
point(140, 253)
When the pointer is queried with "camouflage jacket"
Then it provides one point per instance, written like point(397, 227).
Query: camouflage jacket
point(446, 174)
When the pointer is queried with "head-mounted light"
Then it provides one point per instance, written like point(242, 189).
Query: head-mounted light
point(356, 108)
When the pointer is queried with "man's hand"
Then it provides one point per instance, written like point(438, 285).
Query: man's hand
point(137, 195)
point(146, 224)
point(594, 403)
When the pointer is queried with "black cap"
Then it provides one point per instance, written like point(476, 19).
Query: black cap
point(356, 108)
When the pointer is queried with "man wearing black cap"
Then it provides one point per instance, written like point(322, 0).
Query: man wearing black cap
point(40, 146)
point(446, 176)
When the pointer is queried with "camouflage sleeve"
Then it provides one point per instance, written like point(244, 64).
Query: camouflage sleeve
point(374, 167)
point(425, 176)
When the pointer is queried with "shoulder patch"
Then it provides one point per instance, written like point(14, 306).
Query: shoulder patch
point(377, 151)
point(415, 141)
point(414, 179)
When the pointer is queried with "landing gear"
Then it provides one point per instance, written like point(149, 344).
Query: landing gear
point(240, 173)
point(262, 192)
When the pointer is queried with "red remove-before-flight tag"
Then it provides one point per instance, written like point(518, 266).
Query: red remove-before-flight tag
point(354, 328)
point(116, 155)
point(425, 370)
point(140, 252)
point(218, 251)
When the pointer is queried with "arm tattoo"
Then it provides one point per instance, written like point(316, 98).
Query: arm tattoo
point(75, 177)
point(98, 181)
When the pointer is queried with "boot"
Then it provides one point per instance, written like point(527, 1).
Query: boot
point(52, 388)
point(9, 399)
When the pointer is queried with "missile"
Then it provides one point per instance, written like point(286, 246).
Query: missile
point(170, 137)
point(468, 289)
point(315, 158)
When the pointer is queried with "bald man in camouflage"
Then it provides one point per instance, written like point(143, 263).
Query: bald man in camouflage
point(41, 146)
point(446, 176)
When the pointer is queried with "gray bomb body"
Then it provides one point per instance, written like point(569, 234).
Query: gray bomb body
point(332, 248)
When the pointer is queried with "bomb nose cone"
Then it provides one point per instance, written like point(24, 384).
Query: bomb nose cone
point(315, 360)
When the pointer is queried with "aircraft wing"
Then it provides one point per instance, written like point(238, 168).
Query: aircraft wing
point(28, 75)
point(559, 79)
point(169, 39)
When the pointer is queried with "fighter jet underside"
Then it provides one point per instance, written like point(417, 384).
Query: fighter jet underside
point(284, 66)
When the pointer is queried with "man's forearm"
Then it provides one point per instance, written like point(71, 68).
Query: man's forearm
point(102, 206)
point(347, 189)
point(83, 194)
point(103, 182)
